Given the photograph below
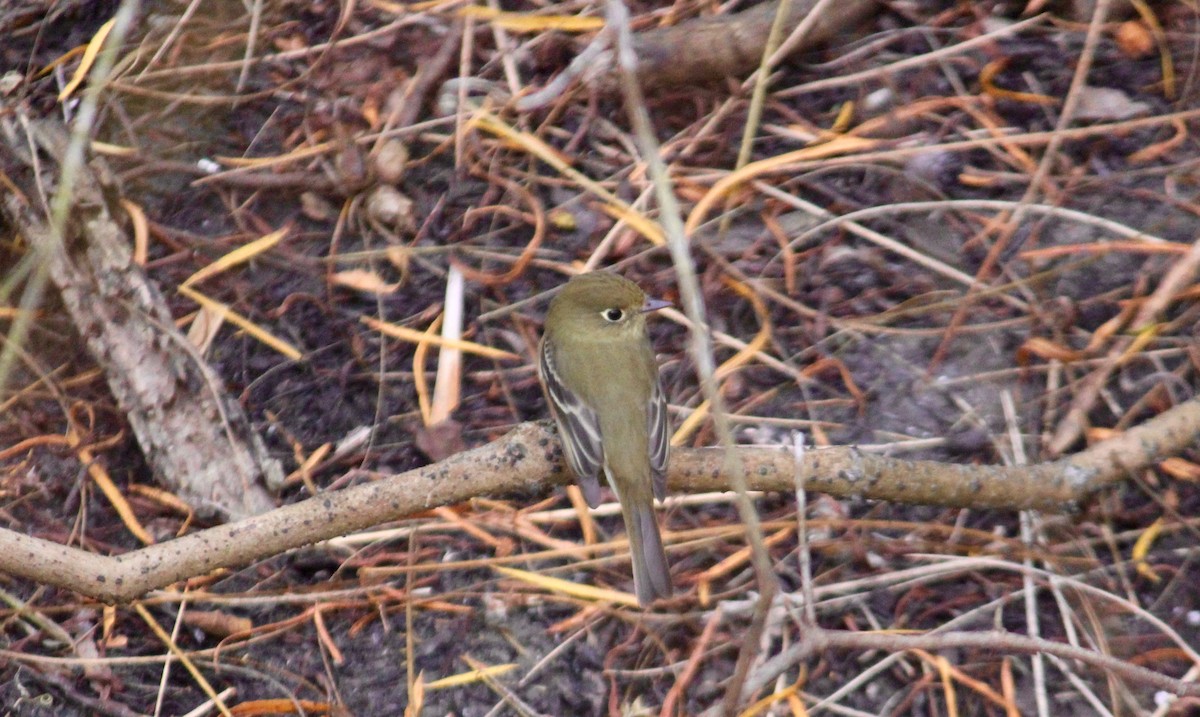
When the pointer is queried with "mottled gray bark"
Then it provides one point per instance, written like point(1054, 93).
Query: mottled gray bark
point(198, 441)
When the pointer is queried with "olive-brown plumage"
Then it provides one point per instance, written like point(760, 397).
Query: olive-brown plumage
point(598, 370)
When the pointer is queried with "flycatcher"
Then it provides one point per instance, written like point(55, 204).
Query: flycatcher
point(598, 371)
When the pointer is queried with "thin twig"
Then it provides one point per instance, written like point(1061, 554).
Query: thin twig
point(701, 344)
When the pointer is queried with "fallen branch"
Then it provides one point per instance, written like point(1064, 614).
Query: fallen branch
point(196, 438)
point(711, 48)
point(703, 49)
point(528, 460)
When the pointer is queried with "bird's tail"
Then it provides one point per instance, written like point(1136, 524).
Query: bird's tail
point(651, 576)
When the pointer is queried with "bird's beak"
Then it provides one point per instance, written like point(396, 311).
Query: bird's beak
point(654, 305)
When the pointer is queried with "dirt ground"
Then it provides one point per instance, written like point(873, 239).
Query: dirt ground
point(864, 331)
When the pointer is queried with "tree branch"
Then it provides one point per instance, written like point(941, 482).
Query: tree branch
point(528, 460)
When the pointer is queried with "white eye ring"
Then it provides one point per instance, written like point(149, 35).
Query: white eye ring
point(612, 315)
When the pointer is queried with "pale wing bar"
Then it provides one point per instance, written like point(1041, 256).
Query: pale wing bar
point(660, 439)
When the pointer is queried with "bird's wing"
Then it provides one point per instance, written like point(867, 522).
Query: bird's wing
point(660, 439)
point(578, 427)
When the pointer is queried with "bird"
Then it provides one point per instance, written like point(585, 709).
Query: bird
point(598, 371)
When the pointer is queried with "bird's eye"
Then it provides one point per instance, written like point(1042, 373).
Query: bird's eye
point(613, 315)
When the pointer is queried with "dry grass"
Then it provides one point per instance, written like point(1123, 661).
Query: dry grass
point(936, 246)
